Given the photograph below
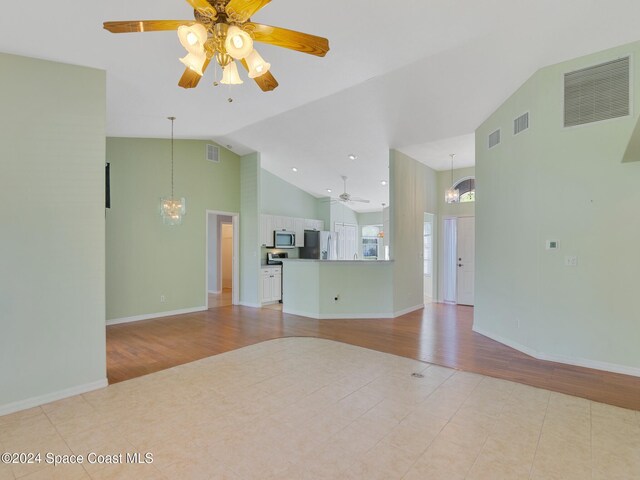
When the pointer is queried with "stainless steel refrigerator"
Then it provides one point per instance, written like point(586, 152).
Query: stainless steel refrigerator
point(319, 245)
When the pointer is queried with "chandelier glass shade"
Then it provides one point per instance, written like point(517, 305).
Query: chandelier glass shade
point(193, 37)
point(230, 75)
point(195, 62)
point(452, 195)
point(227, 43)
point(172, 208)
point(257, 65)
point(238, 43)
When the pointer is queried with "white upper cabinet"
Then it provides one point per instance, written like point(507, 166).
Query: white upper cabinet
point(266, 230)
point(270, 223)
point(299, 226)
point(311, 224)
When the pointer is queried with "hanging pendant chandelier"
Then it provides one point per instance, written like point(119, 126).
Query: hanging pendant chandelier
point(172, 209)
point(452, 195)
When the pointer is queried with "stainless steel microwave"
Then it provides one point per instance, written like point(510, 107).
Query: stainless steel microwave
point(284, 239)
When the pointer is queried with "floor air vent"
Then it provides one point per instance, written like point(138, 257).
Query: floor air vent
point(213, 153)
point(597, 93)
point(494, 138)
point(521, 123)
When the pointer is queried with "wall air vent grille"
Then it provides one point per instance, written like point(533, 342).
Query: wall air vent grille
point(494, 138)
point(213, 153)
point(521, 123)
point(597, 93)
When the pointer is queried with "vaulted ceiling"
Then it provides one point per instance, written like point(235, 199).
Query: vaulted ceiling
point(416, 75)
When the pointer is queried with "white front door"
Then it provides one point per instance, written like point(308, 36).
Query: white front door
point(466, 251)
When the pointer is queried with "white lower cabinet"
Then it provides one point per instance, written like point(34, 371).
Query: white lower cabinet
point(271, 284)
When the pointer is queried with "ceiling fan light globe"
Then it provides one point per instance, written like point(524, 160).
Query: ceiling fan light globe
point(193, 37)
point(257, 65)
point(194, 62)
point(230, 75)
point(238, 43)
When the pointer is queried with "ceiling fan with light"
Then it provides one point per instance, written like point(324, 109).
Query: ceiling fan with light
point(347, 197)
point(223, 30)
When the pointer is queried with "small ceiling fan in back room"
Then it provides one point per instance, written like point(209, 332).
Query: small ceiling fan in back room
point(345, 197)
point(223, 30)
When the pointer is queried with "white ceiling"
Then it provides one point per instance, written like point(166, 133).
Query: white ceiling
point(416, 75)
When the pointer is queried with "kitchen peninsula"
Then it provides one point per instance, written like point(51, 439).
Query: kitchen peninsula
point(326, 289)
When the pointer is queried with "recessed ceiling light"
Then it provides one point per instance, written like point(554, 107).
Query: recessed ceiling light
point(383, 183)
point(329, 190)
point(294, 169)
point(352, 156)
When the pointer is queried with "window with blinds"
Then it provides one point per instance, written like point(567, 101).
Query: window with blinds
point(597, 93)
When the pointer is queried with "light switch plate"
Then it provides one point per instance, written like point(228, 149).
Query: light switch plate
point(552, 245)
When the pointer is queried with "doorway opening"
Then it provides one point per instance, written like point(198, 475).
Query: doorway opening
point(459, 260)
point(222, 259)
point(427, 257)
point(347, 240)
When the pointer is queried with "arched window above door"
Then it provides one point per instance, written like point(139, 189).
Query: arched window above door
point(467, 189)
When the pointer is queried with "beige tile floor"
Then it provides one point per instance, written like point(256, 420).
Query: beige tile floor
point(304, 408)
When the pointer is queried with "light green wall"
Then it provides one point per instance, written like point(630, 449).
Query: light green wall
point(145, 258)
point(340, 213)
point(569, 185)
point(52, 307)
point(363, 289)
point(413, 191)
point(279, 197)
point(448, 210)
point(369, 218)
point(250, 185)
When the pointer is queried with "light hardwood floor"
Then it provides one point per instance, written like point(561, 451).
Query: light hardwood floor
point(439, 334)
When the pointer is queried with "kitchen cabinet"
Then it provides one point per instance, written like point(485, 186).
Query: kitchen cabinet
point(270, 223)
point(266, 230)
point(298, 228)
point(271, 284)
point(311, 224)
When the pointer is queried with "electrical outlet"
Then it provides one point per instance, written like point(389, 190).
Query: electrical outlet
point(162, 299)
point(570, 261)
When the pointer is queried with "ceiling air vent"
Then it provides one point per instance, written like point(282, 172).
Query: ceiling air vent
point(521, 123)
point(494, 138)
point(213, 153)
point(597, 93)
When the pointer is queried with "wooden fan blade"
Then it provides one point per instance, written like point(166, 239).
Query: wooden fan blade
point(241, 10)
point(145, 25)
point(281, 37)
point(204, 7)
point(266, 82)
point(190, 79)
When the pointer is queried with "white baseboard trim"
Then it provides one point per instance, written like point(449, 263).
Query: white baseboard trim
point(336, 316)
point(399, 313)
point(216, 292)
point(51, 397)
point(149, 316)
point(552, 357)
point(351, 316)
point(248, 304)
